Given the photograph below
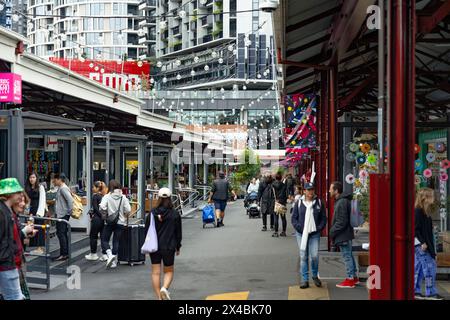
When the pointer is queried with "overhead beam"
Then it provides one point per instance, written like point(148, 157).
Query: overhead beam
point(427, 23)
point(321, 40)
point(317, 17)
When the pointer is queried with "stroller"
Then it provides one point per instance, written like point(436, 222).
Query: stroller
point(252, 206)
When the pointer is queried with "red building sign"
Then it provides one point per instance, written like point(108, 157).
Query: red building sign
point(119, 75)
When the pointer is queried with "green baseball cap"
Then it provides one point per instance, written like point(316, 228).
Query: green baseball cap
point(10, 186)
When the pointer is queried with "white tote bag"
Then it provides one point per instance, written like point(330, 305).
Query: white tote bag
point(151, 240)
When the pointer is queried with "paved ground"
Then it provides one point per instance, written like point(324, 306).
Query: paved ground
point(235, 262)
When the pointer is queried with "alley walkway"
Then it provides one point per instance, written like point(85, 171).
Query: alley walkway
point(237, 261)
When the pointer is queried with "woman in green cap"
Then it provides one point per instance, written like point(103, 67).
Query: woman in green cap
point(11, 249)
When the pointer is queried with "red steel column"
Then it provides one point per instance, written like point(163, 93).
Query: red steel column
point(401, 155)
point(332, 140)
point(322, 138)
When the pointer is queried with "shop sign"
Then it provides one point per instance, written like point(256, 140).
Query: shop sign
point(51, 144)
point(10, 87)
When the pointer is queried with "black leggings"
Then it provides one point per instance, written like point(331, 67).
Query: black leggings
point(264, 218)
point(97, 225)
point(283, 221)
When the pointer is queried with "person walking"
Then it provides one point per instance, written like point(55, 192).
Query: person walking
point(290, 186)
point(309, 219)
point(169, 233)
point(97, 224)
point(115, 204)
point(219, 194)
point(36, 194)
point(63, 210)
point(281, 196)
point(266, 198)
point(342, 234)
point(28, 233)
point(424, 247)
point(11, 235)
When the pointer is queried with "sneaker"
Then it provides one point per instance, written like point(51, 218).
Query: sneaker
point(434, 297)
point(103, 258)
point(264, 228)
point(317, 282)
point(113, 264)
point(283, 234)
point(272, 228)
point(91, 257)
point(304, 285)
point(275, 235)
point(419, 296)
point(347, 283)
point(164, 294)
point(356, 280)
point(61, 258)
point(111, 260)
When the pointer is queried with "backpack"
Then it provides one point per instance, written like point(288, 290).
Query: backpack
point(77, 209)
point(356, 217)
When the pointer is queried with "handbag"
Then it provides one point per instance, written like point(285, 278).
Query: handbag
point(279, 208)
point(112, 219)
point(151, 240)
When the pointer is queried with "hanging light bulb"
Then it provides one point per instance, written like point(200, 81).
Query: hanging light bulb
point(178, 62)
point(159, 64)
point(202, 102)
point(196, 59)
point(102, 70)
point(152, 80)
point(234, 52)
point(248, 42)
point(247, 81)
point(141, 32)
point(206, 68)
point(63, 37)
point(182, 14)
point(244, 87)
point(165, 79)
point(91, 65)
point(96, 68)
point(193, 73)
point(223, 97)
point(220, 60)
point(178, 77)
point(230, 48)
point(214, 54)
point(192, 104)
point(212, 100)
point(222, 90)
point(15, 17)
point(258, 76)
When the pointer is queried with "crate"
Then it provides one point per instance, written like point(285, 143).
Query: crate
point(446, 242)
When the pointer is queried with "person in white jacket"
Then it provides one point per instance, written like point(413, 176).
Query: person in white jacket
point(114, 203)
point(252, 187)
point(38, 207)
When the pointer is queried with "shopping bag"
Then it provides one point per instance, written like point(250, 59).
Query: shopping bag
point(151, 240)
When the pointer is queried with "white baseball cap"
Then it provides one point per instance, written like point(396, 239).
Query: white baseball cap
point(164, 193)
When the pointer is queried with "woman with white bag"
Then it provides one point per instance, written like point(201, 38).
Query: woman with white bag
point(38, 208)
point(164, 224)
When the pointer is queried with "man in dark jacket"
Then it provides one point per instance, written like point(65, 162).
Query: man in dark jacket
point(341, 232)
point(266, 199)
point(309, 219)
point(219, 194)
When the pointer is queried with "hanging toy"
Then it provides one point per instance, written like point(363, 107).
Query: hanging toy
point(416, 148)
point(353, 147)
point(427, 173)
point(440, 147)
point(418, 164)
point(431, 157)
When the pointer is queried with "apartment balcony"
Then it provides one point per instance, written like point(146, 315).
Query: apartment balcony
point(206, 21)
point(207, 38)
point(147, 5)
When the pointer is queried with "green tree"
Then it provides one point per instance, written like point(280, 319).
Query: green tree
point(245, 171)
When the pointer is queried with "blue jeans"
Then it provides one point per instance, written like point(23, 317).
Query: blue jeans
point(10, 285)
point(349, 260)
point(108, 230)
point(312, 251)
point(424, 269)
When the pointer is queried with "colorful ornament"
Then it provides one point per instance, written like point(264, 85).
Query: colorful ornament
point(350, 178)
point(363, 174)
point(440, 147)
point(365, 148)
point(350, 157)
point(431, 157)
point(445, 164)
point(443, 177)
point(418, 165)
point(361, 159)
point(372, 159)
point(416, 148)
point(353, 147)
point(427, 173)
point(417, 180)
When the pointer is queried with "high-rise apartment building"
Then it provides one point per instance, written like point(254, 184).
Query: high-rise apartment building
point(209, 43)
point(10, 16)
point(103, 29)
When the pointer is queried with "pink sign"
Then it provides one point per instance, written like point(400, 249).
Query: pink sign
point(10, 87)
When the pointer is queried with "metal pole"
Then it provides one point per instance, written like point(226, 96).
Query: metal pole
point(141, 178)
point(89, 170)
point(401, 153)
point(381, 88)
point(151, 165)
point(108, 146)
point(16, 153)
point(170, 172)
